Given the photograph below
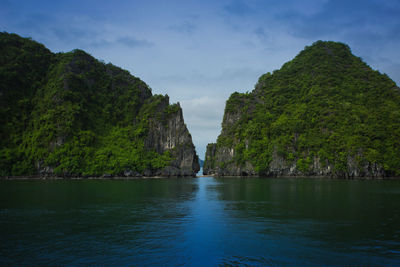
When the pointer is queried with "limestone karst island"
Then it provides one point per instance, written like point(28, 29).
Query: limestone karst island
point(70, 115)
point(324, 113)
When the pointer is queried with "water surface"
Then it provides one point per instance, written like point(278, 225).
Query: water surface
point(200, 222)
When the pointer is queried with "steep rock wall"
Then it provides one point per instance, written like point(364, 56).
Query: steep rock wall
point(171, 134)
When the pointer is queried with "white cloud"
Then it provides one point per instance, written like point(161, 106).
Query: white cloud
point(203, 116)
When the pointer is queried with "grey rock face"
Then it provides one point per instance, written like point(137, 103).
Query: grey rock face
point(171, 134)
point(220, 160)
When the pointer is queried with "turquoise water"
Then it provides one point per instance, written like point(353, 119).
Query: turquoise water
point(200, 222)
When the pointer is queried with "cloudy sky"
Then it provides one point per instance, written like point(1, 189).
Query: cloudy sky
point(199, 52)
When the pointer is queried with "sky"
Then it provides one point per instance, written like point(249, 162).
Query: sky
point(200, 52)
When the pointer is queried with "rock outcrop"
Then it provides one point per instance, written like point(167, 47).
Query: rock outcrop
point(171, 134)
point(325, 113)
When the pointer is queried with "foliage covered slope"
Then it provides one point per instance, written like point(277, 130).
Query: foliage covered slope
point(69, 114)
point(326, 112)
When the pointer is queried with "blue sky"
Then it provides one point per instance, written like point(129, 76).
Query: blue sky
point(199, 52)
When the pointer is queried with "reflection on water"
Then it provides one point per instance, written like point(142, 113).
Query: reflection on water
point(203, 221)
point(317, 220)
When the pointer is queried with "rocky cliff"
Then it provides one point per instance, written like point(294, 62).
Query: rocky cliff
point(325, 113)
point(68, 114)
point(170, 134)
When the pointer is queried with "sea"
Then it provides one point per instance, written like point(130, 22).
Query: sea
point(204, 221)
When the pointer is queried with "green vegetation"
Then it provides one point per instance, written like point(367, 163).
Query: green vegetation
point(325, 103)
point(70, 114)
